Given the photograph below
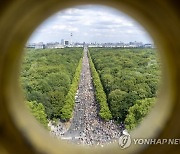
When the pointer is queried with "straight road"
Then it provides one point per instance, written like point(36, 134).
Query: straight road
point(86, 126)
point(85, 97)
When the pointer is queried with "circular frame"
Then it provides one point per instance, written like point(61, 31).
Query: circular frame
point(19, 133)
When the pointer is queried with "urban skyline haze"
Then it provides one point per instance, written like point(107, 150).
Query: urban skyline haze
point(90, 23)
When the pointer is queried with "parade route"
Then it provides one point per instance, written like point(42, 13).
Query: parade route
point(86, 126)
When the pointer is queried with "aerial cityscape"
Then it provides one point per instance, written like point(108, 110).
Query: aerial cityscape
point(90, 96)
point(66, 43)
point(90, 75)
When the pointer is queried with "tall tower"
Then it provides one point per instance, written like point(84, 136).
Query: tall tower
point(71, 35)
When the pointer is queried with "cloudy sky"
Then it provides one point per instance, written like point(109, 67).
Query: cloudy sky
point(90, 23)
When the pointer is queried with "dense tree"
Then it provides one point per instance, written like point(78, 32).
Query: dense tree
point(125, 81)
point(67, 109)
point(138, 111)
point(118, 104)
point(127, 75)
point(38, 111)
point(104, 112)
point(47, 76)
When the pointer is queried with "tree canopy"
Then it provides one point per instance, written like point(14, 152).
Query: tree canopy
point(127, 76)
point(47, 75)
point(38, 111)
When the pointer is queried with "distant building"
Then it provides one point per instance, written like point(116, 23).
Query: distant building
point(54, 45)
point(66, 43)
point(40, 45)
point(59, 46)
point(148, 45)
point(77, 44)
point(31, 45)
point(135, 44)
point(120, 45)
point(62, 42)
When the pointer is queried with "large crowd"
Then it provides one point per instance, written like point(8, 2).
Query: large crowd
point(86, 126)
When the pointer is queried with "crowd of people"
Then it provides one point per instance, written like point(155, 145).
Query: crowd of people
point(86, 126)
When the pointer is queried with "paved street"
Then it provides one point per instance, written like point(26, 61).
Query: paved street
point(86, 127)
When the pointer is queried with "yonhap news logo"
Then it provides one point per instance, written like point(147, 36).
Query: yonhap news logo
point(125, 141)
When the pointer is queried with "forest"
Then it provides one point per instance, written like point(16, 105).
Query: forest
point(101, 99)
point(125, 80)
point(130, 79)
point(47, 76)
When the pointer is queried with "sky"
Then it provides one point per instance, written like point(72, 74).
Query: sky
point(90, 23)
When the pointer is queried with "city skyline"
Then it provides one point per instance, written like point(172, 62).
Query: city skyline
point(90, 23)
